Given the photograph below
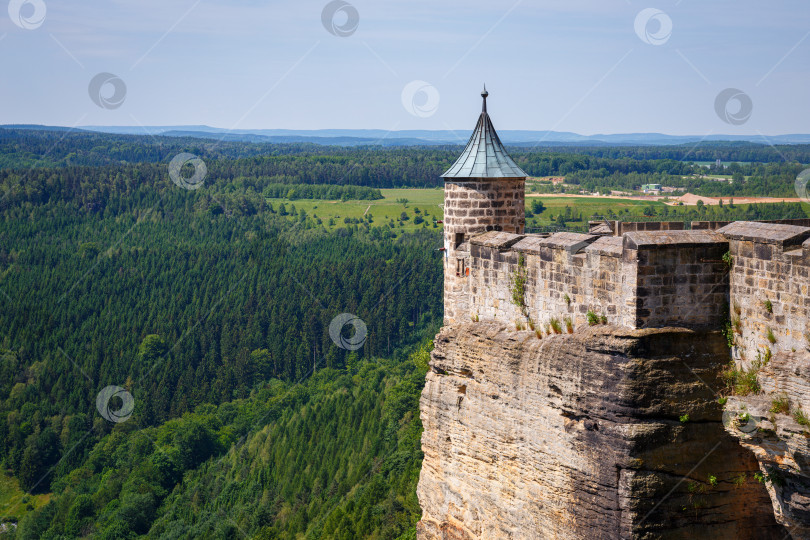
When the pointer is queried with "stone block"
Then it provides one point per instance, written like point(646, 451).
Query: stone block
point(766, 233)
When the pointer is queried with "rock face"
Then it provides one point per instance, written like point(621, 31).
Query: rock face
point(583, 435)
point(766, 424)
point(770, 319)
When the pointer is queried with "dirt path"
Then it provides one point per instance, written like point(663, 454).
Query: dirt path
point(688, 199)
point(625, 197)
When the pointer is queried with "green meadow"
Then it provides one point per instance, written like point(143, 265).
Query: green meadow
point(427, 204)
point(14, 502)
point(590, 205)
point(422, 207)
point(413, 202)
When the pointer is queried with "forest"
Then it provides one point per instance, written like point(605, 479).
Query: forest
point(212, 309)
point(213, 312)
point(765, 170)
point(336, 456)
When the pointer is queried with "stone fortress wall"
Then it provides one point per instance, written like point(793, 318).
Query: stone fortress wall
point(769, 288)
point(754, 274)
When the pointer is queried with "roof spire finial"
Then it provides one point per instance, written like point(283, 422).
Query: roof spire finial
point(484, 95)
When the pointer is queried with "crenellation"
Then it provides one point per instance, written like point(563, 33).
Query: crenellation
point(649, 279)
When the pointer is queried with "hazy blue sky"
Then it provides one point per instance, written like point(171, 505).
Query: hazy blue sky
point(566, 65)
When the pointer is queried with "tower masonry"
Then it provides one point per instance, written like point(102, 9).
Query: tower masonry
point(483, 191)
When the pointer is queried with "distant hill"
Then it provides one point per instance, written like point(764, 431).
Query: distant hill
point(38, 127)
point(353, 137)
point(339, 141)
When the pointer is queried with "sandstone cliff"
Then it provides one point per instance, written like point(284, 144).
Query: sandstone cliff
point(775, 426)
point(583, 435)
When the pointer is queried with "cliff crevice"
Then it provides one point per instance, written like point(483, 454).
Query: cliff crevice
point(775, 427)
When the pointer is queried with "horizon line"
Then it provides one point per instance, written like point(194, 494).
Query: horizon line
point(447, 130)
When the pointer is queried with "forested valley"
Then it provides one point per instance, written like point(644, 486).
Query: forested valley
point(213, 312)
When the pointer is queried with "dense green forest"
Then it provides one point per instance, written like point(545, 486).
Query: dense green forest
point(48, 148)
point(336, 456)
point(212, 310)
point(762, 170)
point(706, 151)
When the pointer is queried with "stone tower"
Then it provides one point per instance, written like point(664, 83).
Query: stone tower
point(483, 191)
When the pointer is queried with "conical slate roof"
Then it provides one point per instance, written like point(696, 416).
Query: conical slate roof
point(484, 156)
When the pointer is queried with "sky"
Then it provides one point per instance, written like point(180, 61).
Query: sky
point(681, 67)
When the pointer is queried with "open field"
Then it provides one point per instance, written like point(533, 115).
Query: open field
point(724, 163)
point(386, 210)
point(334, 214)
point(14, 503)
point(427, 201)
point(590, 205)
point(690, 199)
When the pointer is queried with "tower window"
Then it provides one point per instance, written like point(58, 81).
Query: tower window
point(459, 239)
point(461, 269)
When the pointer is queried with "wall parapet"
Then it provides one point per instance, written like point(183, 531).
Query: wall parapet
point(781, 235)
point(769, 288)
point(643, 279)
point(755, 275)
point(681, 279)
point(619, 228)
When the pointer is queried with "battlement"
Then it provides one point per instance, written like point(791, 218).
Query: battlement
point(756, 274)
point(638, 280)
